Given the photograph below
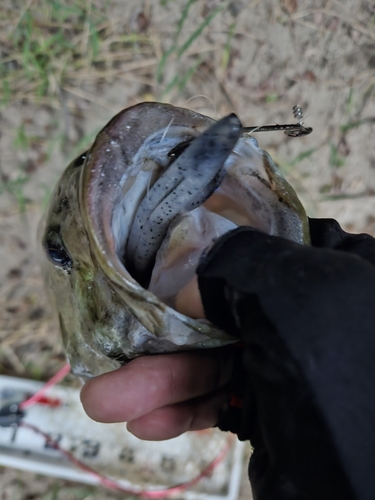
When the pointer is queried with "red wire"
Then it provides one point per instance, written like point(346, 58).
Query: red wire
point(111, 484)
point(40, 393)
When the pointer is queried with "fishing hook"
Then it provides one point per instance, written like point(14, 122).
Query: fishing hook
point(291, 129)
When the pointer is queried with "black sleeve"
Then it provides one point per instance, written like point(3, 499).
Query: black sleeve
point(327, 233)
point(306, 317)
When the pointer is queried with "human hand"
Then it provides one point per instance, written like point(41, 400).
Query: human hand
point(163, 396)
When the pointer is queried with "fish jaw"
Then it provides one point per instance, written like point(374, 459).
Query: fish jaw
point(75, 290)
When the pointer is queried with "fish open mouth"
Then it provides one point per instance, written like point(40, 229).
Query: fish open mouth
point(189, 203)
point(183, 187)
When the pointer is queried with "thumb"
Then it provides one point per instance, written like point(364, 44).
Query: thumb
point(188, 300)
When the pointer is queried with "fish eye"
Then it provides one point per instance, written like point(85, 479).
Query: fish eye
point(78, 162)
point(56, 252)
point(59, 256)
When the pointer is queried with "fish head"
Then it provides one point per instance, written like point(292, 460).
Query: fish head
point(129, 219)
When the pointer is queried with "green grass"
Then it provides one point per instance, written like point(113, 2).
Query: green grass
point(55, 47)
point(335, 159)
point(15, 188)
point(72, 492)
point(21, 141)
point(300, 157)
point(24, 141)
point(225, 58)
point(357, 123)
point(179, 48)
point(58, 43)
point(272, 97)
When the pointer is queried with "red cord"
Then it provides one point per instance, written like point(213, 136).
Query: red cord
point(113, 485)
point(40, 393)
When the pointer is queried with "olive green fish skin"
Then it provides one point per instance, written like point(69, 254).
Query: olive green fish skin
point(106, 317)
point(87, 309)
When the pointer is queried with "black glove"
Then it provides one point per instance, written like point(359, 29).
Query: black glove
point(307, 318)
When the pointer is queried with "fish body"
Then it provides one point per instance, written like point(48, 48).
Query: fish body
point(129, 219)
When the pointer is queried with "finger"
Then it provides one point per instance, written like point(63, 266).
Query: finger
point(172, 421)
point(151, 382)
point(188, 300)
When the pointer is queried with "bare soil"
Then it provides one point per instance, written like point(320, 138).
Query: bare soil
point(256, 58)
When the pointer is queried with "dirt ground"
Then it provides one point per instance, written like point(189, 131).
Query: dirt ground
point(67, 67)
